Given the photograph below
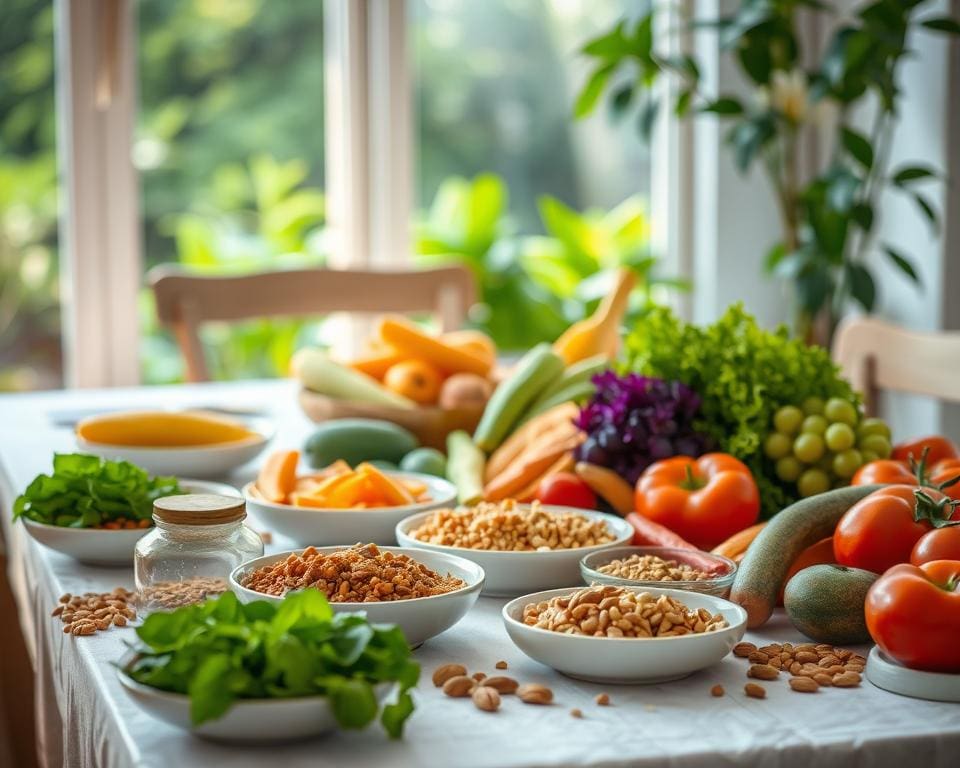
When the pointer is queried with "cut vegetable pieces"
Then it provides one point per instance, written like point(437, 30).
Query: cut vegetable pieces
point(413, 342)
point(465, 462)
point(278, 477)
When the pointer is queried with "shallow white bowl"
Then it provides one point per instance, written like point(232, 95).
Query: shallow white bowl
point(251, 721)
point(101, 546)
point(420, 618)
point(885, 673)
point(215, 460)
point(627, 660)
point(318, 526)
point(516, 573)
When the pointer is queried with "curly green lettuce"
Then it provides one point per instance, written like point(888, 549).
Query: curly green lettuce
point(743, 374)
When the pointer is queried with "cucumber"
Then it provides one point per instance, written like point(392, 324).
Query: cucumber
point(357, 440)
point(825, 602)
point(578, 373)
point(320, 374)
point(534, 372)
point(465, 463)
point(763, 571)
point(428, 461)
point(574, 392)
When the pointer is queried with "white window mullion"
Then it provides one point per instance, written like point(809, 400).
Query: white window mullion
point(100, 224)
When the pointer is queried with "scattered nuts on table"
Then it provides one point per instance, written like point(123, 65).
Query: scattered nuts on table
point(501, 664)
point(534, 693)
point(611, 611)
point(503, 526)
point(94, 612)
point(743, 650)
point(652, 568)
point(804, 684)
point(755, 691)
point(459, 686)
point(478, 676)
point(763, 672)
point(576, 713)
point(502, 684)
point(486, 698)
point(717, 690)
point(603, 699)
point(444, 672)
point(822, 665)
point(358, 574)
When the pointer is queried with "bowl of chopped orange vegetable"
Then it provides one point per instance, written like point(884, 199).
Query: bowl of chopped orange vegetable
point(340, 504)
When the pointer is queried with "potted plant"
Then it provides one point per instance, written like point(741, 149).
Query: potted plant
point(828, 218)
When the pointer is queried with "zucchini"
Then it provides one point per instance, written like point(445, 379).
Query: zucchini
point(465, 463)
point(534, 372)
point(358, 440)
point(763, 571)
point(578, 373)
point(318, 373)
point(825, 602)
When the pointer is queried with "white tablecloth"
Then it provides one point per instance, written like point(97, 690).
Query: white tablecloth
point(86, 719)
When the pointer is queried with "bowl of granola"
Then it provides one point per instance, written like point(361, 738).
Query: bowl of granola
point(424, 593)
point(521, 547)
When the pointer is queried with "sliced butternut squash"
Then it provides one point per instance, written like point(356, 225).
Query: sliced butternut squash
point(278, 477)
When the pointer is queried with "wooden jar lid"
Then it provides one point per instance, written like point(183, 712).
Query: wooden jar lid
point(199, 509)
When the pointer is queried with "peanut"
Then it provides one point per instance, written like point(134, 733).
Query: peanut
point(602, 699)
point(479, 676)
point(576, 713)
point(653, 568)
point(763, 672)
point(823, 679)
point(534, 693)
point(717, 690)
point(459, 686)
point(500, 665)
point(486, 698)
point(502, 684)
point(846, 680)
point(444, 672)
point(755, 691)
point(804, 685)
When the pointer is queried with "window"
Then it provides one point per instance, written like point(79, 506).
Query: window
point(30, 350)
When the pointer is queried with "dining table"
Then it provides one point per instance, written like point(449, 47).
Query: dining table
point(85, 717)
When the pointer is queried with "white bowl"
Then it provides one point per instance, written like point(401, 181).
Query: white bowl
point(249, 721)
point(318, 526)
point(102, 546)
point(215, 460)
point(627, 660)
point(886, 673)
point(516, 573)
point(420, 618)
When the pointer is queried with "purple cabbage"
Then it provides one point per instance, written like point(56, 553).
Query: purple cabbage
point(632, 421)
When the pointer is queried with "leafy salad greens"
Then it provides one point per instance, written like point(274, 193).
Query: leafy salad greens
point(743, 374)
point(87, 491)
point(220, 651)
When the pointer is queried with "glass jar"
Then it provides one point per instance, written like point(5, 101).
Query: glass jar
point(198, 540)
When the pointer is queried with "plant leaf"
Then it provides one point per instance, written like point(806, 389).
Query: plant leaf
point(862, 286)
point(924, 205)
point(726, 105)
point(648, 116)
point(858, 146)
point(903, 263)
point(587, 100)
point(909, 173)
point(942, 24)
point(621, 100)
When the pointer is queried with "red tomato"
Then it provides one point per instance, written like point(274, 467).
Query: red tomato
point(889, 471)
point(913, 614)
point(938, 544)
point(703, 500)
point(939, 448)
point(565, 489)
point(880, 530)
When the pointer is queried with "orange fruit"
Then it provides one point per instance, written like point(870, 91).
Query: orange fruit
point(415, 379)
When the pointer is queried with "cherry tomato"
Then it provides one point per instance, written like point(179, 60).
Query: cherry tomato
point(891, 471)
point(704, 500)
point(939, 448)
point(938, 544)
point(565, 489)
point(913, 614)
point(881, 530)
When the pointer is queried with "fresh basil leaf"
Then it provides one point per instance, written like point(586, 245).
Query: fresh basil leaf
point(210, 696)
point(395, 715)
point(353, 703)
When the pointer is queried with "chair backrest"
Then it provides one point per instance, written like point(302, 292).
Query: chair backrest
point(875, 355)
point(185, 301)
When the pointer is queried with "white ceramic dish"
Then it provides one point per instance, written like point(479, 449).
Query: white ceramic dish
point(517, 573)
point(253, 721)
point(317, 526)
point(627, 660)
point(99, 546)
point(885, 673)
point(420, 618)
point(215, 460)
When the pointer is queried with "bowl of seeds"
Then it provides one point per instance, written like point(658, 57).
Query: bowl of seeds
point(683, 569)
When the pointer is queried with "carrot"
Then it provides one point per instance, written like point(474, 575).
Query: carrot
point(738, 543)
point(473, 341)
point(406, 338)
point(376, 363)
point(649, 533)
point(563, 464)
point(607, 484)
point(278, 477)
point(383, 489)
point(514, 445)
point(521, 473)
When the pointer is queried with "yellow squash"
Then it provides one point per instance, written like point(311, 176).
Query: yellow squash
point(598, 334)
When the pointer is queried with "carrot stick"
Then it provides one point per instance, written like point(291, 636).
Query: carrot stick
point(521, 473)
point(563, 464)
point(514, 445)
point(649, 533)
point(738, 543)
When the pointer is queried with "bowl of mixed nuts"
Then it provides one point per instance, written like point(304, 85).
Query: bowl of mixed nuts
point(521, 547)
point(424, 593)
point(616, 634)
point(684, 569)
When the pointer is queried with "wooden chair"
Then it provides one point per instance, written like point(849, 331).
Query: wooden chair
point(875, 355)
point(186, 301)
